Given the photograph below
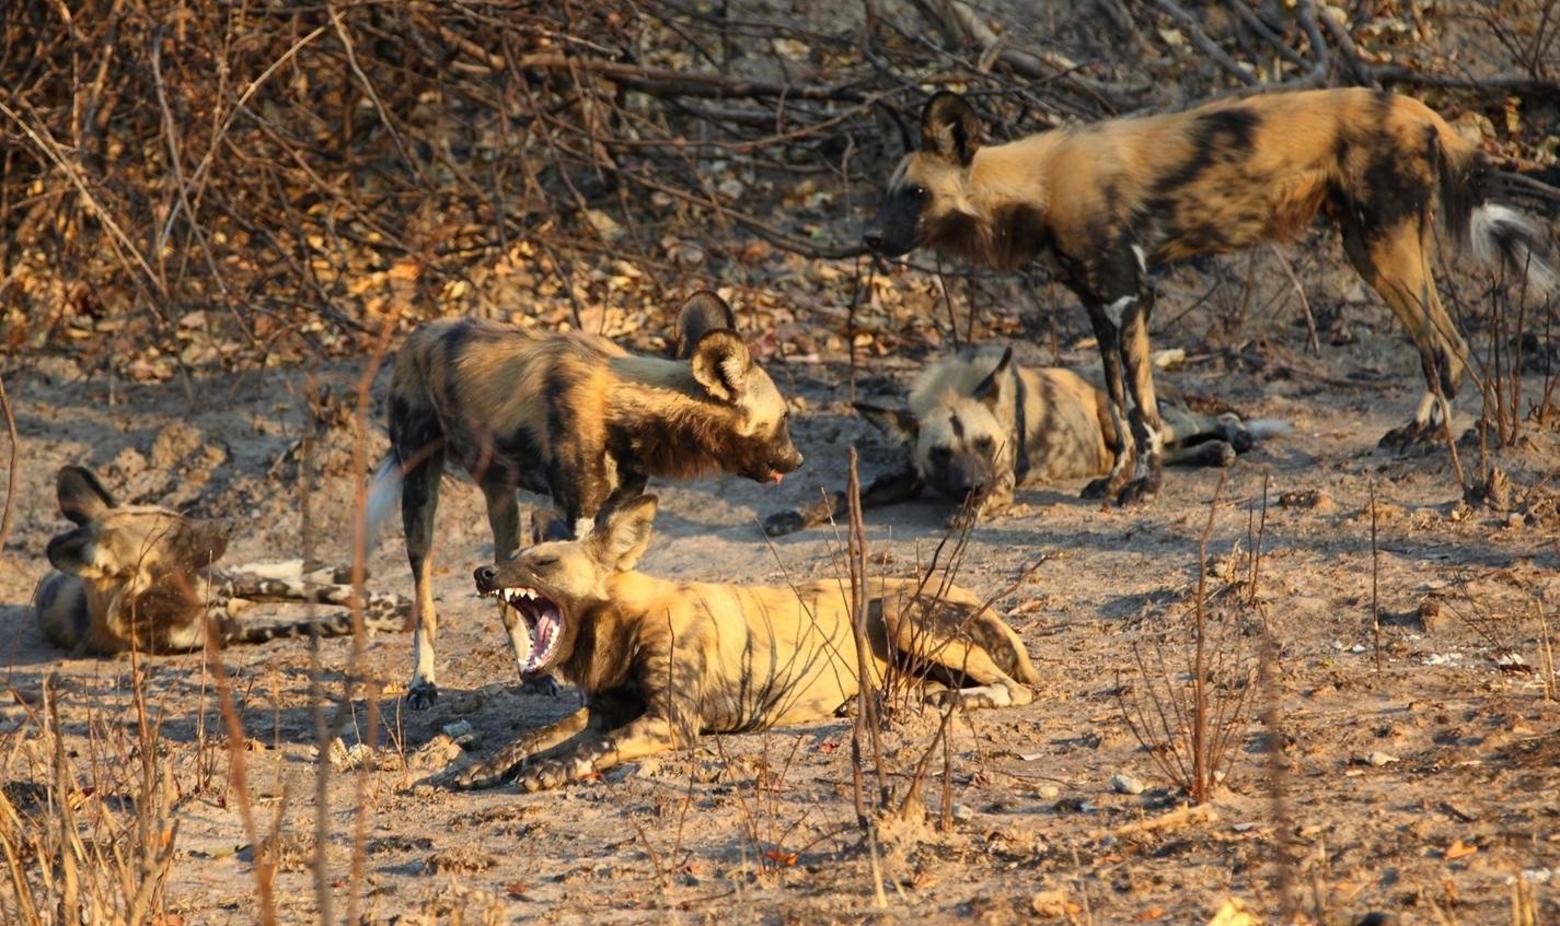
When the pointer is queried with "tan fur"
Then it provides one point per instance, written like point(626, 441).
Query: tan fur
point(663, 661)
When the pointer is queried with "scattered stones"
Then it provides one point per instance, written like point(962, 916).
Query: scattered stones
point(1126, 784)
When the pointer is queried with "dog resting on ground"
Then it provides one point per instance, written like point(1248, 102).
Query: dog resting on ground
point(570, 415)
point(662, 661)
point(1106, 202)
point(978, 425)
point(141, 577)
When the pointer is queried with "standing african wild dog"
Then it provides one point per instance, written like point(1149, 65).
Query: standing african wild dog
point(570, 415)
point(662, 661)
point(1107, 201)
point(979, 425)
point(141, 577)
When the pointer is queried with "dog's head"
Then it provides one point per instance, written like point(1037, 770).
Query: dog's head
point(956, 436)
point(927, 197)
point(554, 587)
point(759, 446)
point(132, 547)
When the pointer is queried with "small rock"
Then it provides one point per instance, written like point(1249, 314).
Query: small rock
point(1378, 759)
point(963, 813)
point(434, 754)
point(1048, 792)
point(1515, 521)
point(1125, 784)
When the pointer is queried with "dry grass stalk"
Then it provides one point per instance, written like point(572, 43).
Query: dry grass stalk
point(1375, 580)
point(1546, 655)
point(1188, 732)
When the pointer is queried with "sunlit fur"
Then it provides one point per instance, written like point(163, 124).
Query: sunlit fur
point(662, 661)
point(570, 415)
point(142, 577)
point(1106, 201)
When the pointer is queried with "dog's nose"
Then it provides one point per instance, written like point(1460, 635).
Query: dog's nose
point(485, 575)
point(873, 238)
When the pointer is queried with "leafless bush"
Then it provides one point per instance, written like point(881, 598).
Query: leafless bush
point(1190, 724)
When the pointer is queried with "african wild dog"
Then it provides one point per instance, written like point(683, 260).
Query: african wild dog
point(662, 661)
point(1107, 201)
point(570, 415)
point(141, 577)
point(978, 425)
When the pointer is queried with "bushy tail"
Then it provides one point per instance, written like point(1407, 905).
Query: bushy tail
point(1498, 235)
point(384, 494)
point(1501, 235)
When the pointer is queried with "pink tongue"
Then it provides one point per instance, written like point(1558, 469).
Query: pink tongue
point(776, 475)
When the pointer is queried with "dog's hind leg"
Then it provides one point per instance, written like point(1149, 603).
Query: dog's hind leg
point(419, 504)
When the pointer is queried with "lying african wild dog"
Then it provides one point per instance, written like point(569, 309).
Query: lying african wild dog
point(662, 661)
point(570, 415)
point(1107, 201)
point(141, 577)
point(977, 424)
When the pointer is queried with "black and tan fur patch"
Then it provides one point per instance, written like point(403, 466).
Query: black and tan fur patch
point(145, 578)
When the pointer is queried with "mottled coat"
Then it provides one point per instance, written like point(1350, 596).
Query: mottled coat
point(1105, 202)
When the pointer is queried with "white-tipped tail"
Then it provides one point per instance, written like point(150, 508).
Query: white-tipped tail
point(1265, 428)
point(1499, 234)
point(384, 494)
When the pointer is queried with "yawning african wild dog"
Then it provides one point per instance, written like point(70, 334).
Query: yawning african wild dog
point(1109, 200)
point(662, 661)
point(979, 425)
point(141, 577)
point(572, 416)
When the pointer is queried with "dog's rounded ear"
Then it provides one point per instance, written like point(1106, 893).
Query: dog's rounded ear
point(622, 537)
point(897, 424)
point(721, 363)
point(81, 496)
point(990, 388)
point(950, 128)
point(704, 312)
point(72, 552)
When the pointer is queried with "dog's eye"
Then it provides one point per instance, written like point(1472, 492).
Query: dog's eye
point(916, 191)
point(985, 444)
point(543, 562)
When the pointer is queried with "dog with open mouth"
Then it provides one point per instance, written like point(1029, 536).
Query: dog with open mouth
point(569, 415)
point(662, 661)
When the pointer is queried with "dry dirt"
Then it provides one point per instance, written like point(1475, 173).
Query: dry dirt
point(760, 828)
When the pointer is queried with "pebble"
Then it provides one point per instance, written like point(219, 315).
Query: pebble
point(1048, 792)
point(963, 813)
point(1379, 759)
point(1125, 784)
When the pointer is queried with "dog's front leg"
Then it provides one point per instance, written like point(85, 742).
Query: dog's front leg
point(647, 736)
point(498, 766)
point(1108, 333)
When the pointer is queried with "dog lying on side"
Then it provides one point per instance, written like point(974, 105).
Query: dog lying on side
point(570, 415)
point(662, 661)
point(979, 425)
point(141, 577)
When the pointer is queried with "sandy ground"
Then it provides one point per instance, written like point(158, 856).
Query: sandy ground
point(1464, 798)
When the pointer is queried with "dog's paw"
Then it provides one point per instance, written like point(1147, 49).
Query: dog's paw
point(784, 522)
point(1096, 489)
point(544, 776)
point(541, 685)
point(1412, 436)
point(1138, 491)
point(422, 695)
